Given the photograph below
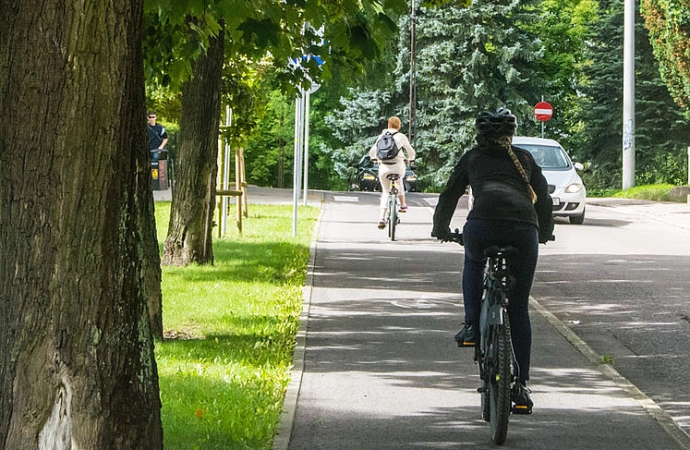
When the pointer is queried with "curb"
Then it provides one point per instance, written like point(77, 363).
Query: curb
point(662, 417)
point(281, 440)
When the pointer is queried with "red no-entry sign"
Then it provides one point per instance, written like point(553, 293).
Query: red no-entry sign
point(543, 111)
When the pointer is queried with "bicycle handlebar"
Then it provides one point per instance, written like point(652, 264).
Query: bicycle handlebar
point(456, 237)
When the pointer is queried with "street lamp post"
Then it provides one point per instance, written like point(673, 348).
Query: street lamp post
point(629, 96)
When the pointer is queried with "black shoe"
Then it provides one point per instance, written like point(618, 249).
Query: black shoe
point(520, 397)
point(468, 336)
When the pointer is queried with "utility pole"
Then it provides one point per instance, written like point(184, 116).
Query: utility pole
point(411, 114)
point(629, 96)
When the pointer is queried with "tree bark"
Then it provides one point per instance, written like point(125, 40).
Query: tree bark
point(77, 368)
point(190, 233)
point(152, 259)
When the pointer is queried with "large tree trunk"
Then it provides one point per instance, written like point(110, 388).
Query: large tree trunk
point(77, 369)
point(152, 260)
point(190, 231)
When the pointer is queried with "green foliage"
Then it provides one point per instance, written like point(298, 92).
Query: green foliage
point(600, 179)
point(165, 101)
point(562, 27)
point(656, 192)
point(661, 133)
point(173, 130)
point(470, 59)
point(246, 87)
point(344, 35)
point(492, 53)
point(360, 119)
point(269, 149)
point(261, 38)
point(668, 22)
point(230, 332)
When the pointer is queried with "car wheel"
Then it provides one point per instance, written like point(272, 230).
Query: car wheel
point(578, 220)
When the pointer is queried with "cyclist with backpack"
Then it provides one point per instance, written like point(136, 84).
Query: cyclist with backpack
point(387, 150)
point(511, 207)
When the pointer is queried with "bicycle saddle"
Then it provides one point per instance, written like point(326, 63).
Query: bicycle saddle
point(501, 250)
point(393, 176)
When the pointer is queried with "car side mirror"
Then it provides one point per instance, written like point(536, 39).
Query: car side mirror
point(578, 166)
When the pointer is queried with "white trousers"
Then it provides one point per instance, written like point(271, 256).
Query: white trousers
point(385, 169)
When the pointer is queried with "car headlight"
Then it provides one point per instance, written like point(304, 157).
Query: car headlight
point(369, 177)
point(573, 188)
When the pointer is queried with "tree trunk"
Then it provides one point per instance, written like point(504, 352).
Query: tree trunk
point(152, 261)
point(191, 213)
point(77, 368)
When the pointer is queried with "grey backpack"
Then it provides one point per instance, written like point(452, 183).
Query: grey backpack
point(386, 148)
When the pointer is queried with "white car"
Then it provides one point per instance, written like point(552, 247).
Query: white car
point(565, 185)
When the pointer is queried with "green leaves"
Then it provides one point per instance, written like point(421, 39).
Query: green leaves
point(668, 22)
point(262, 33)
point(439, 3)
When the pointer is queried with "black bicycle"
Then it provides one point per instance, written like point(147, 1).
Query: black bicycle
point(498, 368)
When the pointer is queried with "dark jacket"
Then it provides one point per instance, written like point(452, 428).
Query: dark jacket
point(499, 191)
point(156, 135)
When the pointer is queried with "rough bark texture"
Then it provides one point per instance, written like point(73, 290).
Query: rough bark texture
point(77, 369)
point(190, 231)
point(152, 258)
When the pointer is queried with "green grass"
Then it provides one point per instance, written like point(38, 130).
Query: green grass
point(654, 192)
point(230, 330)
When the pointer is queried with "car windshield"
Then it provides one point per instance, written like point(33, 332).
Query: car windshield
point(547, 156)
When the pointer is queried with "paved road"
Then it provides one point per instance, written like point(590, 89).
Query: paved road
point(623, 285)
point(377, 367)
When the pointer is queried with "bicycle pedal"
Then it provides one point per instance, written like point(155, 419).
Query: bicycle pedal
point(466, 344)
point(521, 409)
point(481, 389)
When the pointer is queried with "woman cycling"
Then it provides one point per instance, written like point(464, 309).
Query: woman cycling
point(395, 165)
point(511, 206)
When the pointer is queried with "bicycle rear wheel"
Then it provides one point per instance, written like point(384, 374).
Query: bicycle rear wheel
point(392, 216)
point(500, 378)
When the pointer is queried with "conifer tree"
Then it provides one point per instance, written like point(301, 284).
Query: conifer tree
point(661, 133)
point(470, 59)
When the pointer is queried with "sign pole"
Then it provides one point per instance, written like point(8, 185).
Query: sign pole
point(305, 127)
point(543, 122)
point(297, 159)
point(412, 112)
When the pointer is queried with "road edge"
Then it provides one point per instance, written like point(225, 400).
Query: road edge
point(281, 441)
point(669, 425)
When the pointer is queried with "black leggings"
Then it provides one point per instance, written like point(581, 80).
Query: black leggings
point(479, 234)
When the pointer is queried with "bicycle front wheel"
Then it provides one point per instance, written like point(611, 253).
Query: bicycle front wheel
point(392, 216)
point(500, 379)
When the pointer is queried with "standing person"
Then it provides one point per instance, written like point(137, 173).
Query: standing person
point(158, 137)
point(395, 165)
point(511, 207)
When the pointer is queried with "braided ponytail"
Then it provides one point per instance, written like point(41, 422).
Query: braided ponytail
point(505, 142)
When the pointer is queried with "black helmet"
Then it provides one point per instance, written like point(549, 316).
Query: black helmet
point(496, 123)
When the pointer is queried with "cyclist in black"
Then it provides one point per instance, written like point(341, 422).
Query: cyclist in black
point(511, 206)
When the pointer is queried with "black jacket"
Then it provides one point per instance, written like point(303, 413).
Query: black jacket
point(499, 191)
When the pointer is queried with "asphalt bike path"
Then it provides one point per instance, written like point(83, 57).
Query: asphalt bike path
point(376, 366)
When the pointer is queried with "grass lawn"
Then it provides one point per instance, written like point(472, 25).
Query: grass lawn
point(230, 332)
